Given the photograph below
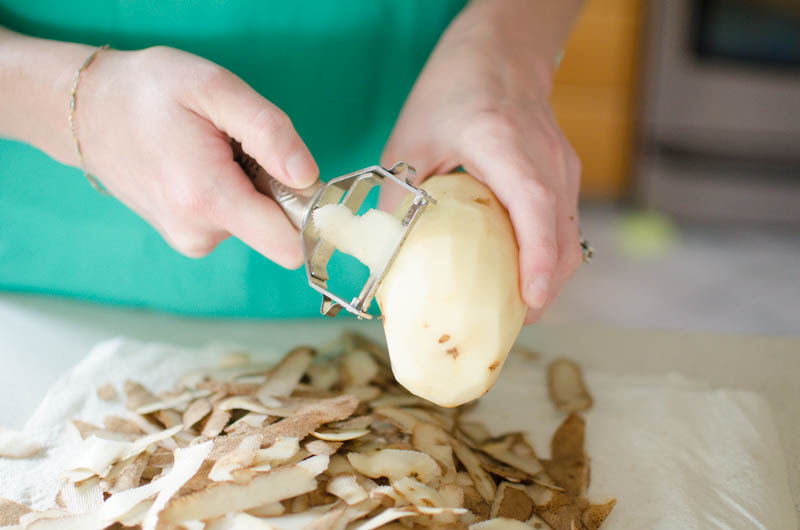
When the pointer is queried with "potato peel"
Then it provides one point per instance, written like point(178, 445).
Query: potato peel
point(223, 497)
point(195, 412)
point(241, 457)
point(502, 450)
point(358, 368)
point(137, 395)
point(347, 488)
point(282, 379)
point(569, 466)
point(512, 502)
point(395, 464)
point(566, 387)
point(340, 435)
point(187, 462)
point(392, 514)
point(483, 482)
point(107, 392)
point(433, 440)
point(321, 447)
point(17, 444)
point(10, 512)
point(314, 442)
point(500, 523)
point(217, 421)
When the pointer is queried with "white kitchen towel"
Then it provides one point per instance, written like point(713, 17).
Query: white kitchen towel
point(35, 482)
point(675, 453)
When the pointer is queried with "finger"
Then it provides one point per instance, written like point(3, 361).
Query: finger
point(570, 255)
point(532, 212)
point(533, 315)
point(194, 243)
point(569, 259)
point(392, 195)
point(257, 221)
point(532, 209)
point(420, 155)
point(265, 131)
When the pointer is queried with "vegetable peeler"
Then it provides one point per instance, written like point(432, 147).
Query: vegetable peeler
point(350, 190)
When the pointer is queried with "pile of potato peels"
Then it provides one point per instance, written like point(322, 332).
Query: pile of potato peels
point(316, 442)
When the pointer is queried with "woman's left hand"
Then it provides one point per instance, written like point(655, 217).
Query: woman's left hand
point(482, 102)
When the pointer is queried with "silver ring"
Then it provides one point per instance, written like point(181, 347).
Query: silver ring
point(586, 250)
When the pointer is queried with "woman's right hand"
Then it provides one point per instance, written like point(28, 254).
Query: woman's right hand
point(154, 126)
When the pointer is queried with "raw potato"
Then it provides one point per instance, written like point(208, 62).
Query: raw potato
point(370, 238)
point(451, 300)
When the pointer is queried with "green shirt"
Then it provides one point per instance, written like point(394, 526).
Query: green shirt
point(340, 69)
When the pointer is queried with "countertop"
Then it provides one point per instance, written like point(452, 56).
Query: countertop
point(41, 338)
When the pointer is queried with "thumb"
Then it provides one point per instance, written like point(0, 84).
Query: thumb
point(265, 131)
point(256, 220)
point(424, 157)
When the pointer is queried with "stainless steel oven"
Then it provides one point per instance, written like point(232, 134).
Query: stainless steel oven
point(720, 113)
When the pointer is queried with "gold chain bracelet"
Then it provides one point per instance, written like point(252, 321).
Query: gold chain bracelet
point(73, 97)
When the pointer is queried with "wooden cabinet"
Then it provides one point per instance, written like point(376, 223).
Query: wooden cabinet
point(594, 95)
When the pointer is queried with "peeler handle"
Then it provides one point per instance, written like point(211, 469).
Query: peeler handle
point(295, 203)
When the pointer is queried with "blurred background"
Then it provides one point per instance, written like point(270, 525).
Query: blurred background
point(686, 115)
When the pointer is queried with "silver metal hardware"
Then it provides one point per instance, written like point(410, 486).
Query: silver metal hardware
point(586, 250)
point(350, 190)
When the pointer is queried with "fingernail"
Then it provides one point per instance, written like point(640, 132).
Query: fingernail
point(301, 168)
point(537, 292)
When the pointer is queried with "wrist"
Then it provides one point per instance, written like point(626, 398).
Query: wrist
point(36, 76)
point(512, 27)
point(536, 31)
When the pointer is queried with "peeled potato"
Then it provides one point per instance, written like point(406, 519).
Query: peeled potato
point(451, 300)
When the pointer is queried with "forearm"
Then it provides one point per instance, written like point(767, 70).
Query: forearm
point(547, 22)
point(35, 80)
point(538, 28)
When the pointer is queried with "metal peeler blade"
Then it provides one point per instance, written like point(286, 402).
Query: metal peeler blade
point(350, 190)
